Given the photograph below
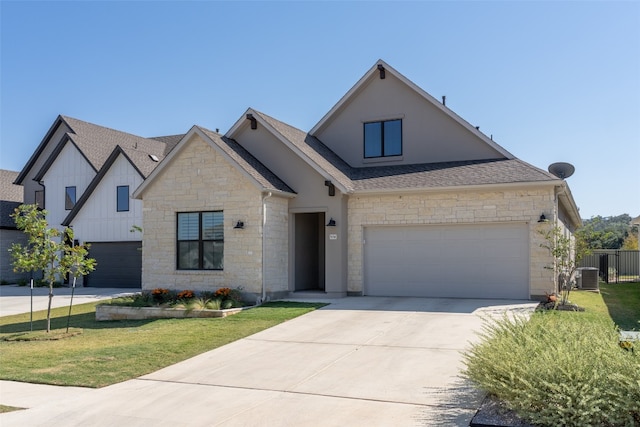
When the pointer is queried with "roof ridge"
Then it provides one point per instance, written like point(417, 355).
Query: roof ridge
point(67, 118)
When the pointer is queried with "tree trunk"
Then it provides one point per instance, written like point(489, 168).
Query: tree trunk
point(49, 307)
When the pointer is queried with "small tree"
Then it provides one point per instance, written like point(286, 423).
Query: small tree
point(566, 258)
point(48, 249)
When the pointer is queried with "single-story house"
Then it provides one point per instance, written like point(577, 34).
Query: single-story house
point(390, 194)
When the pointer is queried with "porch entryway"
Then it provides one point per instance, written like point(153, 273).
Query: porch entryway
point(309, 251)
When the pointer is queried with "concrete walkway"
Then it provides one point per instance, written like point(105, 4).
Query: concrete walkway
point(359, 361)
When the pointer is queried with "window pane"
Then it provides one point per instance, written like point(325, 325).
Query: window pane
point(188, 225)
point(373, 139)
point(188, 255)
point(69, 198)
point(40, 199)
point(123, 198)
point(393, 138)
point(212, 226)
point(212, 255)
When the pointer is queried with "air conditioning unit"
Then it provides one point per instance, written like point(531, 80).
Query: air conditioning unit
point(588, 278)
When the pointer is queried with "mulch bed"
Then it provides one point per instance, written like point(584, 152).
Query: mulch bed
point(493, 413)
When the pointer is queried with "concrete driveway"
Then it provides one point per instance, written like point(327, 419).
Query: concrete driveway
point(359, 361)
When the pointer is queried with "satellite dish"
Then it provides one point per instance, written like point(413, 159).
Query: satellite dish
point(562, 170)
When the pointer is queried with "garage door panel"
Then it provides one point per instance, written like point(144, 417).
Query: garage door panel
point(118, 265)
point(488, 261)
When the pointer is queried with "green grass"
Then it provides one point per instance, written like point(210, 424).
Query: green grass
point(110, 352)
point(618, 302)
point(6, 408)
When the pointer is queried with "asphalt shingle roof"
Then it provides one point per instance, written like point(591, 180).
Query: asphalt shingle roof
point(8, 190)
point(11, 196)
point(426, 175)
point(248, 162)
point(98, 142)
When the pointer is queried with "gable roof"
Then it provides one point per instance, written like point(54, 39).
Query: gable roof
point(11, 196)
point(96, 143)
point(372, 74)
point(237, 155)
point(117, 152)
point(401, 177)
point(311, 150)
point(9, 191)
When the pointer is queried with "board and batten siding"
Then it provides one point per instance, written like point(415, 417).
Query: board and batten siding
point(99, 220)
point(69, 169)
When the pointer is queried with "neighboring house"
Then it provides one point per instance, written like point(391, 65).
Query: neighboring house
point(83, 175)
point(390, 194)
point(10, 199)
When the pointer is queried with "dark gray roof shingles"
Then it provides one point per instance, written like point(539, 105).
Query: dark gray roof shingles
point(248, 162)
point(11, 196)
point(415, 176)
point(98, 142)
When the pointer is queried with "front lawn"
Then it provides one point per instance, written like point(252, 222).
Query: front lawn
point(110, 352)
point(565, 368)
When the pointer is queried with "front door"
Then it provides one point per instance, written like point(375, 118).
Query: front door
point(309, 259)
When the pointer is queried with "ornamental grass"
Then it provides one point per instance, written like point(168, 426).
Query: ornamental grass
point(558, 369)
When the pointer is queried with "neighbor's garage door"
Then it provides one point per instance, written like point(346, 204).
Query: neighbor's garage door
point(458, 261)
point(119, 265)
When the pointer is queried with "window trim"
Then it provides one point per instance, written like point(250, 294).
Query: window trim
point(200, 241)
point(75, 197)
point(118, 198)
point(382, 122)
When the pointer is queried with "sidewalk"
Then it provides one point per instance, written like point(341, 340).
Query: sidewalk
point(17, 299)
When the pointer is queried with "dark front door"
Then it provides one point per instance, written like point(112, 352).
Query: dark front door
point(309, 251)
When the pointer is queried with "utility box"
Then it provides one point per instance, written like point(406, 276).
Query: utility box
point(588, 278)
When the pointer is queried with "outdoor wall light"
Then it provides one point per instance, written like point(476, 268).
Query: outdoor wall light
point(381, 70)
point(239, 225)
point(331, 223)
point(543, 218)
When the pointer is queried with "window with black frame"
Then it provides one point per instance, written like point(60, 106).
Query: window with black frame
point(200, 240)
point(122, 198)
point(383, 139)
point(69, 198)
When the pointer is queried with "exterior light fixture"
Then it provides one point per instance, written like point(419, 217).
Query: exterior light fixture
point(239, 225)
point(331, 223)
point(543, 218)
point(381, 70)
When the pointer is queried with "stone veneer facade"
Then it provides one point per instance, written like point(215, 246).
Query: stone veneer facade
point(460, 207)
point(201, 179)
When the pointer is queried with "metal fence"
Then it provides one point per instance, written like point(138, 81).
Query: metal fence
point(615, 266)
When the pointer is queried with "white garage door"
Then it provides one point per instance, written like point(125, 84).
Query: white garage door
point(458, 261)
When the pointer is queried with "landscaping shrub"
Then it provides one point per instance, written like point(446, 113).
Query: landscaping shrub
point(556, 370)
point(223, 298)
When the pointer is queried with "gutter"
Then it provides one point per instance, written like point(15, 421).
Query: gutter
point(265, 196)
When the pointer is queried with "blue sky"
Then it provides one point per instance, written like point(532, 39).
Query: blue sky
point(551, 81)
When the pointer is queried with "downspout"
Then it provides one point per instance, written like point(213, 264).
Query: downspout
point(264, 246)
point(556, 215)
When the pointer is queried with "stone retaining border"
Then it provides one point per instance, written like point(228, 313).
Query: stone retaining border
point(117, 312)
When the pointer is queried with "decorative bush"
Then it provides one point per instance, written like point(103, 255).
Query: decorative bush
point(223, 298)
point(187, 294)
point(160, 295)
point(558, 370)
